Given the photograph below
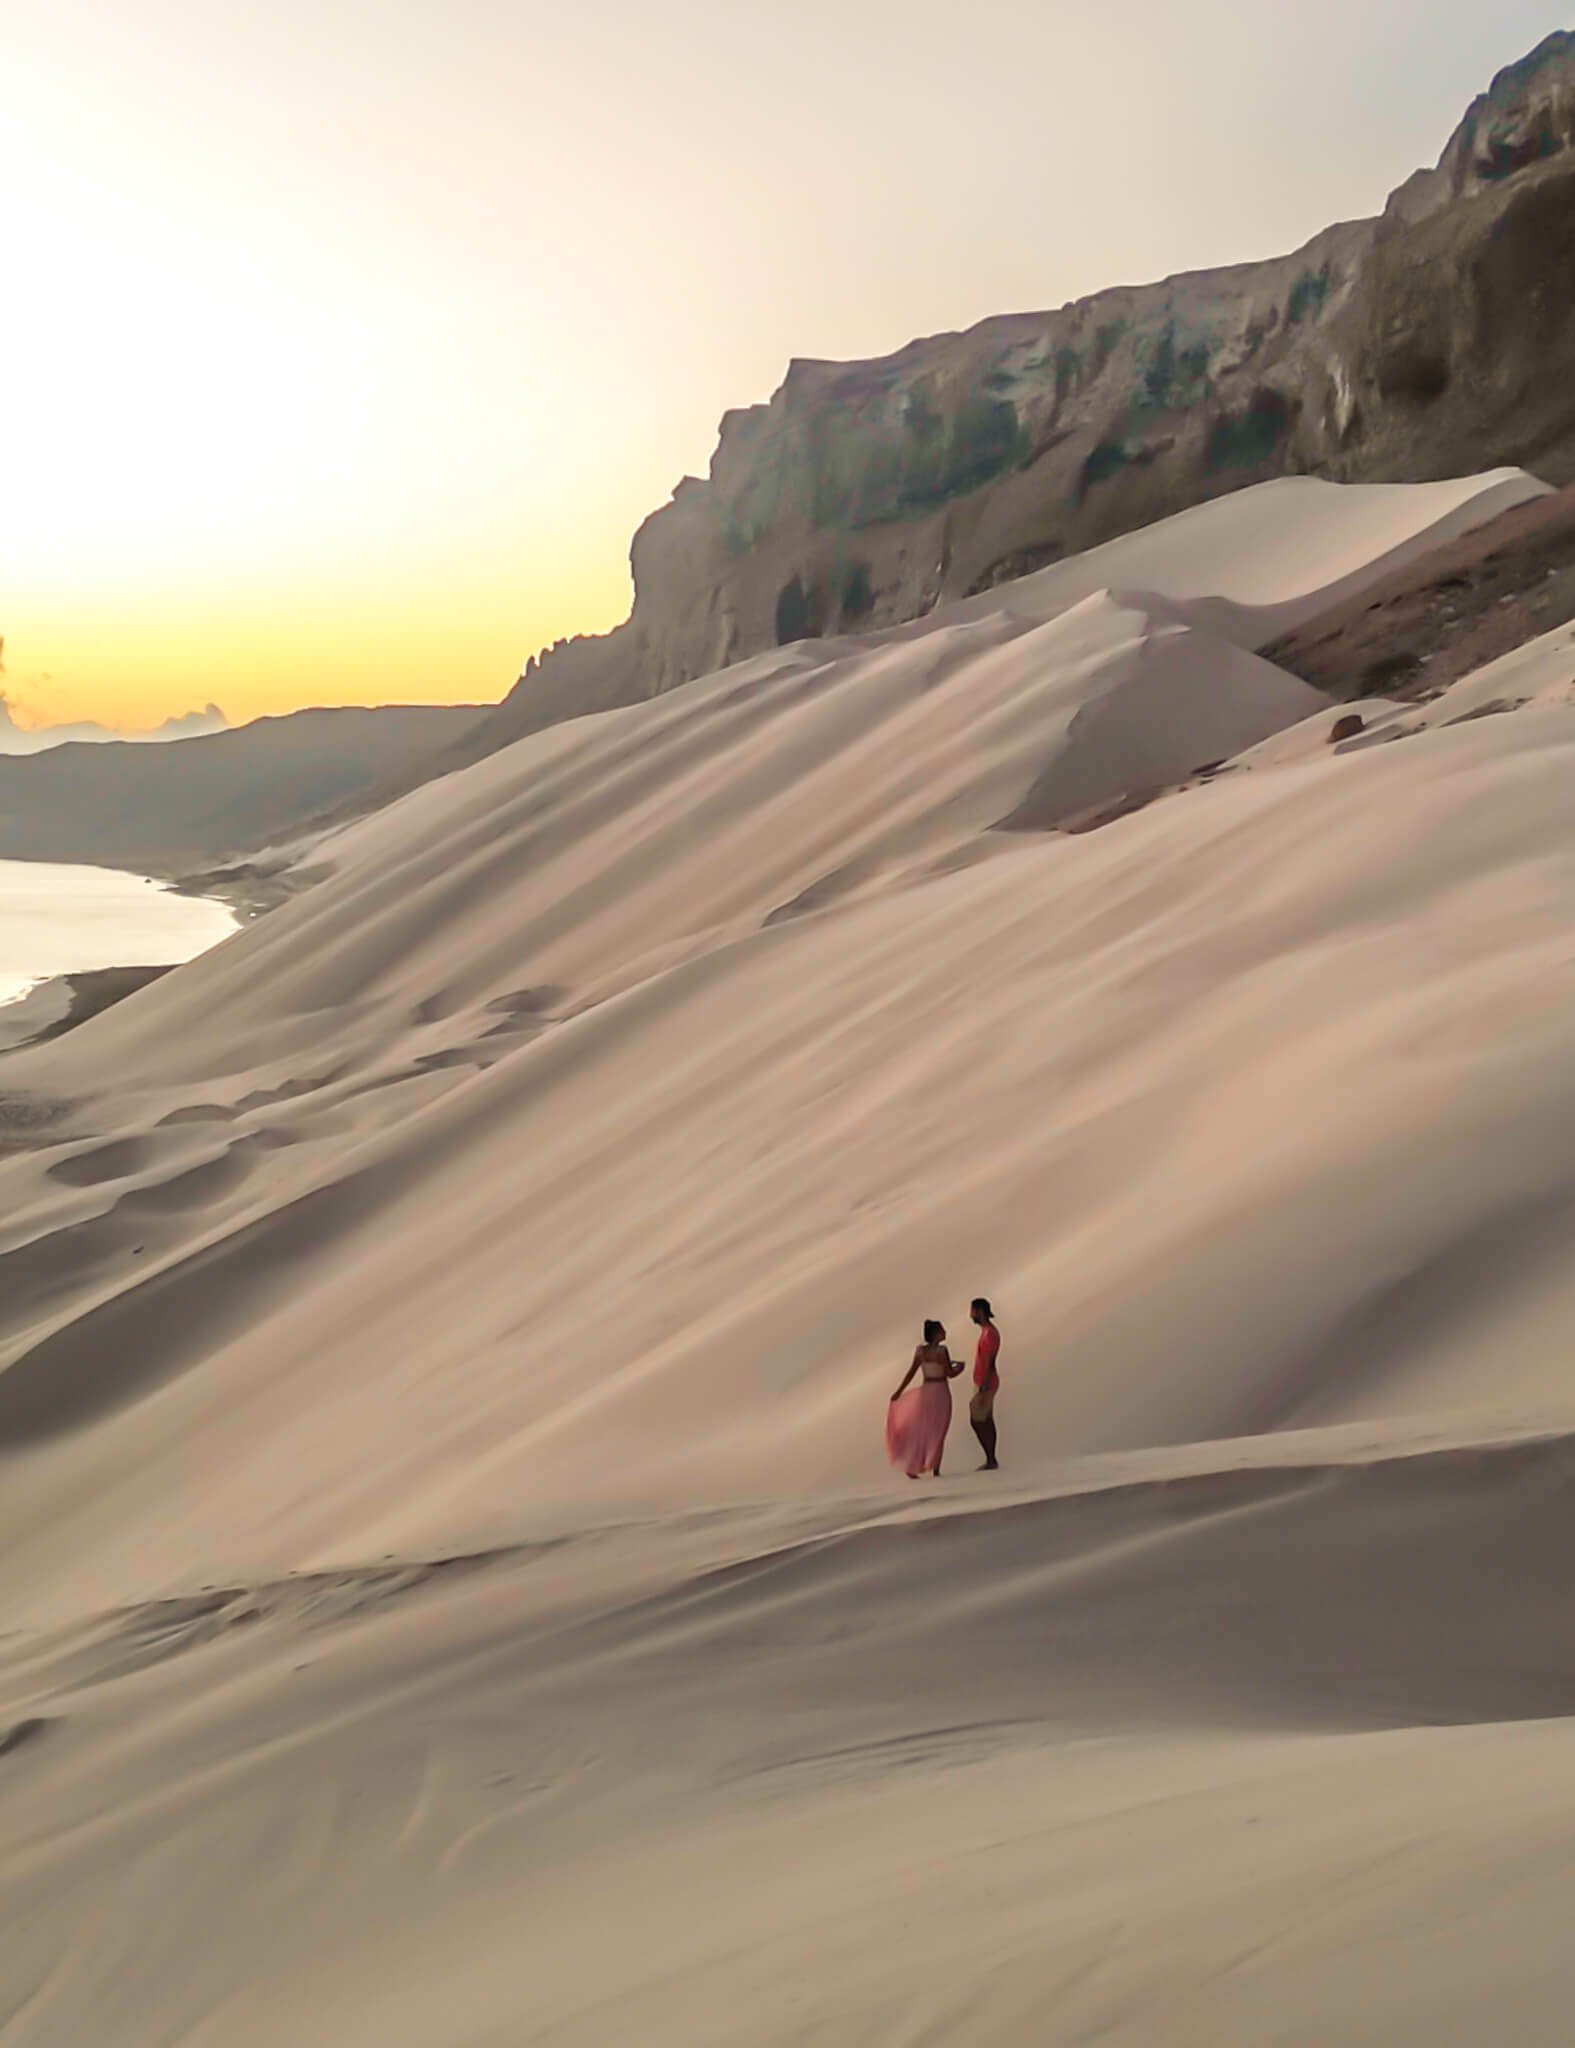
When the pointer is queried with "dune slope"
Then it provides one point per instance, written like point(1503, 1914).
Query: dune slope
point(1258, 1755)
point(553, 1190)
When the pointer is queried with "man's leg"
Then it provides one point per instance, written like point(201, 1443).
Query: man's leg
point(981, 1416)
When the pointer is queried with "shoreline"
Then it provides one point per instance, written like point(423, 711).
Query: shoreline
point(247, 889)
point(60, 1002)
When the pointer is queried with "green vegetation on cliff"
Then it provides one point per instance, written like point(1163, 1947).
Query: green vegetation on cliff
point(867, 468)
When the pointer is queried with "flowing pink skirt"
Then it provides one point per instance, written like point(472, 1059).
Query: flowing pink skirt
point(916, 1426)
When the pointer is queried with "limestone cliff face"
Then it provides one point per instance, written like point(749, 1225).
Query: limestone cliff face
point(1524, 118)
point(1457, 346)
point(866, 493)
point(1437, 339)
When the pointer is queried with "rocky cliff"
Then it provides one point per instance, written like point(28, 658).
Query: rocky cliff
point(1435, 340)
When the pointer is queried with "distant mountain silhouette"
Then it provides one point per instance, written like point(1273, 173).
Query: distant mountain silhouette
point(167, 808)
point(35, 739)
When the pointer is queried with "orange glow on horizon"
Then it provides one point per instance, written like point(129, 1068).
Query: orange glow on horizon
point(346, 347)
point(132, 662)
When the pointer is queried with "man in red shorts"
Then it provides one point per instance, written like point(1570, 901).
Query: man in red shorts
point(986, 1381)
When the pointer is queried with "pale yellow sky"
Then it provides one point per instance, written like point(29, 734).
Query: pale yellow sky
point(347, 341)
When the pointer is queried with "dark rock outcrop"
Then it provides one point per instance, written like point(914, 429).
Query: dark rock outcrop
point(1441, 615)
point(1436, 340)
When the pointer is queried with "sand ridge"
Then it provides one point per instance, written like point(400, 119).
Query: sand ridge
point(446, 1823)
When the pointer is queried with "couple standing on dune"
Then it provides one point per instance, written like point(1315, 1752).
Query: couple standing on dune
point(916, 1423)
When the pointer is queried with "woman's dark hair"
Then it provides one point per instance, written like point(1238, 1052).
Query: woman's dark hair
point(981, 1305)
point(932, 1331)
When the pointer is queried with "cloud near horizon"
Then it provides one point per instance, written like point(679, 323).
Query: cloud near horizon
point(17, 737)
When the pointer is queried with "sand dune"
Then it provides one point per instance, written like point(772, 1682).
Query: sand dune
point(1257, 564)
point(556, 1187)
point(1259, 1755)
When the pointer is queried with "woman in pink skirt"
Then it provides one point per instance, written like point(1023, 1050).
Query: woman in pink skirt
point(916, 1423)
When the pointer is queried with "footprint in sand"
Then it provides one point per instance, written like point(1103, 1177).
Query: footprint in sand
point(24, 1732)
point(117, 1160)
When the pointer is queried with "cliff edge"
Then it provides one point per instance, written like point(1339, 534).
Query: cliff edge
point(1435, 340)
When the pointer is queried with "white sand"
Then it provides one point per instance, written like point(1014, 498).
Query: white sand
point(567, 1174)
point(1256, 564)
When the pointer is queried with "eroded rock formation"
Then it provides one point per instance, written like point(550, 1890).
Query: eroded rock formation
point(1437, 339)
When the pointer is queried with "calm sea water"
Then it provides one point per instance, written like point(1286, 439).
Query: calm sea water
point(63, 920)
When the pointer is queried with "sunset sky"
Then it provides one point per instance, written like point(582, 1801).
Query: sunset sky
point(347, 341)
